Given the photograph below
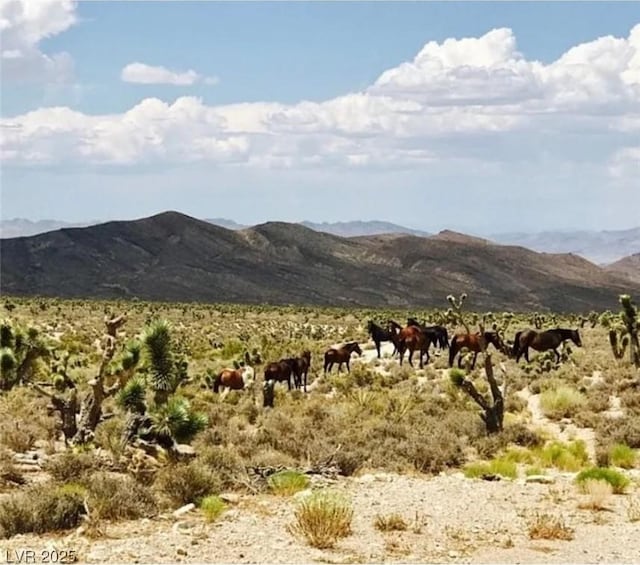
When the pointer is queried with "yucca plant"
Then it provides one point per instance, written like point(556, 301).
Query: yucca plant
point(175, 420)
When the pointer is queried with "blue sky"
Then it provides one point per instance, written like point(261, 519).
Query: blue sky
point(487, 123)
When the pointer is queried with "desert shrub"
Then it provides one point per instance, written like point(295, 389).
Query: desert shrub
point(547, 526)
point(115, 497)
point(42, 508)
point(563, 402)
point(183, 483)
point(70, 466)
point(616, 479)
point(25, 420)
point(322, 519)
point(286, 483)
point(226, 463)
point(212, 506)
point(624, 430)
point(534, 470)
point(109, 435)
point(622, 455)
point(390, 522)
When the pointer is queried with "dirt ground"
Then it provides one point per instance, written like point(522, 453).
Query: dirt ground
point(451, 519)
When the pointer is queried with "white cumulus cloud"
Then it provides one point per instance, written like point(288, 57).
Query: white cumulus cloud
point(468, 101)
point(23, 25)
point(141, 73)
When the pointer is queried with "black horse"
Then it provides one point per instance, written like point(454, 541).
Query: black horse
point(542, 341)
point(379, 334)
point(439, 333)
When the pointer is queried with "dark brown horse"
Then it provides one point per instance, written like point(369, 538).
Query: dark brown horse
point(234, 379)
point(280, 371)
point(379, 334)
point(472, 343)
point(439, 332)
point(340, 355)
point(542, 341)
point(414, 339)
point(301, 369)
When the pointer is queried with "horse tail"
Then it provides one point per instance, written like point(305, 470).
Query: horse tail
point(444, 338)
point(516, 344)
point(452, 350)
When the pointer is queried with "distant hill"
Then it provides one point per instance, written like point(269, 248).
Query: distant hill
point(628, 266)
point(174, 257)
point(358, 228)
point(600, 247)
point(224, 223)
point(19, 227)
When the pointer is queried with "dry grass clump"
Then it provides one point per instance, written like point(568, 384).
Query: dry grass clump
point(25, 420)
point(390, 522)
point(547, 526)
point(633, 509)
point(322, 519)
point(598, 492)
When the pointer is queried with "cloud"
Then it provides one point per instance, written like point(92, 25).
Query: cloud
point(140, 73)
point(24, 24)
point(475, 103)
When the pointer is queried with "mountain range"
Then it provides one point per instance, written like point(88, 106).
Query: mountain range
point(600, 247)
point(171, 256)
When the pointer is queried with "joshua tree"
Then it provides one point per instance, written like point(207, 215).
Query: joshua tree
point(19, 352)
point(493, 410)
point(623, 332)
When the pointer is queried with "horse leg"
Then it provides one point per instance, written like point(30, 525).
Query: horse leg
point(452, 353)
point(526, 354)
point(475, 356)
point(557, 355)
point(348, 369)
point(378, 348)
point(411, 357)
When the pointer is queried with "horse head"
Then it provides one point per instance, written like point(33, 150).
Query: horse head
point(575, 337)
point(353, 346)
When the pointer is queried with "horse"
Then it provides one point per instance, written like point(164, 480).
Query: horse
point(441, 334)
point(472, 342)
point(280, 371)
point(234, 379)
point(301, 369)
point(379, 334)
point(415, 338)
point(340, 355)
point(542, 341)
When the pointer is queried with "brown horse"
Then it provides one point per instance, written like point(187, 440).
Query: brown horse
point(233, 379)
point(542, 341)
point(414, 338)
point(472, 342)
point(340, 355)
point(301, 369)
point(280, 371)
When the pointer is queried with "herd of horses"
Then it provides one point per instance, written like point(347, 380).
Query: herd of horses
point(410, 338)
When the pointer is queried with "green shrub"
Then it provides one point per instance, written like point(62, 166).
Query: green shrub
point(71, 466)
point(564, 456)
point(212, 506)
point(616, 479)
point(501, 467)
point(563, 402)
point(286, 483)
point(623, 456)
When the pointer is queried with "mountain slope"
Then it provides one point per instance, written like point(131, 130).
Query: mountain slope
point(628, 266)
point(174, 257)
point(359, 228)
